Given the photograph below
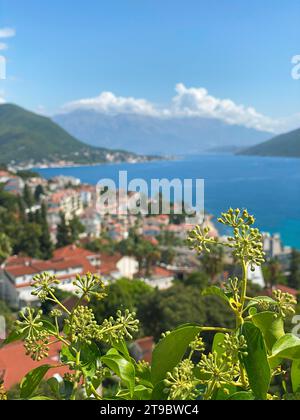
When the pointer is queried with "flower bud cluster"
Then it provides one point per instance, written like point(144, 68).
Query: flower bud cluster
point(182, 383)
point(286, 303)
point(44, 284)
point(90, 285)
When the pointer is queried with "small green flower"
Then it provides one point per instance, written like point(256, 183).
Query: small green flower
point(56, 313)
point(90, 285)
point(37, 348)
point(82, 325)
point(197, 345)
point(286, 303)
point(200, 240)
point(30, 323)
point(181, 383)
point(116, 329)
point(43, 285)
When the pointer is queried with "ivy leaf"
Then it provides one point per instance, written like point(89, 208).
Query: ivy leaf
point(295, 375)
point(271, 325)
point(287, 347)
point(256, 361)
point(261, 299)
point(13, 337)
point(170, 351)
point(32, 380)
point(216, 291)
point(67, 356)
point(48, 326)
point(122, 348)
point(89, 357)
point(218, 341)
point(241, 396)
point(121, 367)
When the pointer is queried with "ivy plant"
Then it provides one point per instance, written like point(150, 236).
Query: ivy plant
point(242, 364)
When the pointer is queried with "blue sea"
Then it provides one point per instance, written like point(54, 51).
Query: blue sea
point(267, 187)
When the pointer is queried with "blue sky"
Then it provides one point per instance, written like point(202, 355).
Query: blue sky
point(66, 51)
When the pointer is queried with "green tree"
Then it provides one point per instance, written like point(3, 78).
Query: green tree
point(76, 228)
point(213, 262)
point(29, 240)
point(168, 255)
point(38, 193)
point(273, 273)
point(28, 196)
point(122, 294)
point(63, 235)
point(5, 247)
point(46, 244)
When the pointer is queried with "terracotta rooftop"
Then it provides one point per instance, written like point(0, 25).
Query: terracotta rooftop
point(284, 289)
point(14, 364)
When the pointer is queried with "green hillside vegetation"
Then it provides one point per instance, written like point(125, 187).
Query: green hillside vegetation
point(25, 136)
point(285, 145)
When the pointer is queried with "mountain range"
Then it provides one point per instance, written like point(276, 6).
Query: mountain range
point(154, 135)
point(287, 145)
point(26, 137)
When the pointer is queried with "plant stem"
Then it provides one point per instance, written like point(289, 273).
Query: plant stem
point(54, 299)
point(217, 329)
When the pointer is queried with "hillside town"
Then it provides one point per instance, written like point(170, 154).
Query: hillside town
point(67, 196)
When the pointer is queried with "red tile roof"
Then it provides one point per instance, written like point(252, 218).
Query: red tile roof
point(146, 345)
point(72, 251)
point(284, 289)
point(14, 364)
point(70, 257)
point(161, 272)
point(109, 263)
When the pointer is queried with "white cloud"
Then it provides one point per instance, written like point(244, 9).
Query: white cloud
point(109, 103)
point(7, 32)
point(197, 102)
point(3, 46)
point(188, 102)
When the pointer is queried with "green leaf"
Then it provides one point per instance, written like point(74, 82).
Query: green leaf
point(223, 393)
point(218, 341)
point(13, 337)
point(241, 396)
point(287, 347)
point(122, 348)
point(121, 367)
point(41, 397)
point(32, 380)
point(261, 299)
point(48, 326)
point(67, 355)
point(295, 375)
point(89, 357)
point(54, 385)
point(141, 392)
point(256, 361)
point(159, 392)
point(170, 351)
point(271, 325)
point(216, 291)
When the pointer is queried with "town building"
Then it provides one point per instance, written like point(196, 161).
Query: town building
point(17, 272)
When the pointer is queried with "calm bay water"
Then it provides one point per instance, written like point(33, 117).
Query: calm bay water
point(268, 187)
